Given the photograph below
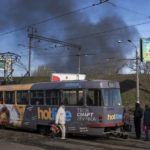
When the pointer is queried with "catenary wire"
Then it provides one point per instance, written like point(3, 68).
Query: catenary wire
point(46, 20)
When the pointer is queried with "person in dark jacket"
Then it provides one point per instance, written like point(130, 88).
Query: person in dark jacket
point(126, 120)
point(137, 120)
point(146, 121)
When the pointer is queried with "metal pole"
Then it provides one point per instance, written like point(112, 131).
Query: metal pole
point(5, 74)
point(137, 78)
point(5, 69)
point(79, 54)
point(79, 61)
point(29, 68)
point(11, 70)
point(55, 41)
point(137, 73)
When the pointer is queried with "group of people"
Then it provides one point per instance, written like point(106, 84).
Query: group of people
point(138, 114)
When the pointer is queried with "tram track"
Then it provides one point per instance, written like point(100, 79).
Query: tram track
point(131, 143)
point(74, 143)
point(115, 143)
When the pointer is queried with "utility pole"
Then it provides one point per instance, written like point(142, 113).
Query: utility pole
point(29, 67)
point(32, 30)
point(5, 69)
point(31, 36)
point(137, 71)
point(8, 60)
point(79, 55)
point(137, 78)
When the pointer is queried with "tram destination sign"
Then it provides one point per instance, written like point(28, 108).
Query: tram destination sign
point(145, 49)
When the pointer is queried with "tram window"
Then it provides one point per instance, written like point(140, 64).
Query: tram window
point(10, 97)
point(22, 97)
point(93, 98)
point(1, 97)
point(73, 97)
point(111, 97)
point(37, 97)
point(52, 97)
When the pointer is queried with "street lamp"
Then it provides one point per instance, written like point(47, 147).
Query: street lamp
point(137, 73)
point(137, 70)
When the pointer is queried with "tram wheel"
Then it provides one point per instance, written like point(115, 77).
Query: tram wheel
point(52, 134)
point(107, 136)
point(125, 136)
point(118, 135)
point(42, 130)
point(2, 126)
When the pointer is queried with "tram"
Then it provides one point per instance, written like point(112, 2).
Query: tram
point(93, 107)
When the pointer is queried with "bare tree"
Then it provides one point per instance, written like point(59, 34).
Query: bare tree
point(43, 70)
point(132, 64)
point(144, 67)
point(109, 66)
point(92, 69)
point(114, 66)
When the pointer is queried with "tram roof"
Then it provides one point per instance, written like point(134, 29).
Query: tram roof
point(16, 87)
point(76, 84)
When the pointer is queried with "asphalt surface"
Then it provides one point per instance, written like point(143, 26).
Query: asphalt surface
point(22, 140)
point(4, 145)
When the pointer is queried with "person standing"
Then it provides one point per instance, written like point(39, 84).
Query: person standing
point(126, 120)
point(146, 121)
point(61, 120)
point(138, 113)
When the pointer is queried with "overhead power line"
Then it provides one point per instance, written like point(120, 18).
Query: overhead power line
point(107, 31)
point(65, 14)
point(127, 9)
point(48, 19)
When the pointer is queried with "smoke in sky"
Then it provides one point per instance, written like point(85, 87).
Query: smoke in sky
point(97, 38)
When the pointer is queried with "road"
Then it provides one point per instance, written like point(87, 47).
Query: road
point(22, 140)
point(4, 145)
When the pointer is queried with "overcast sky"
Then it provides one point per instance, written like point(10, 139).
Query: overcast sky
point(97, 28)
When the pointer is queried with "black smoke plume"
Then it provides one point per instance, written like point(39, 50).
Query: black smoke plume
point(99, 39)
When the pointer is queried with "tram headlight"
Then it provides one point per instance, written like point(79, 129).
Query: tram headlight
point(100, 118)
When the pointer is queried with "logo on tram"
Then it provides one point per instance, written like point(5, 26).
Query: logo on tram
point(114, 117)
point(50, 114)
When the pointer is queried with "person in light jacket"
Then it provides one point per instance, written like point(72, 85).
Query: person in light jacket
point(61, 120)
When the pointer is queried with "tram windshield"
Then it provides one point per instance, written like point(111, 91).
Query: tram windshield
point(111, 97)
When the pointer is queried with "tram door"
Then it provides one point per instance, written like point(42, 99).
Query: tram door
point(74, 101)
point(8, 112)
point(22, 102)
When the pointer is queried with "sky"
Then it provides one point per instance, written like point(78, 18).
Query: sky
point(95, 27)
